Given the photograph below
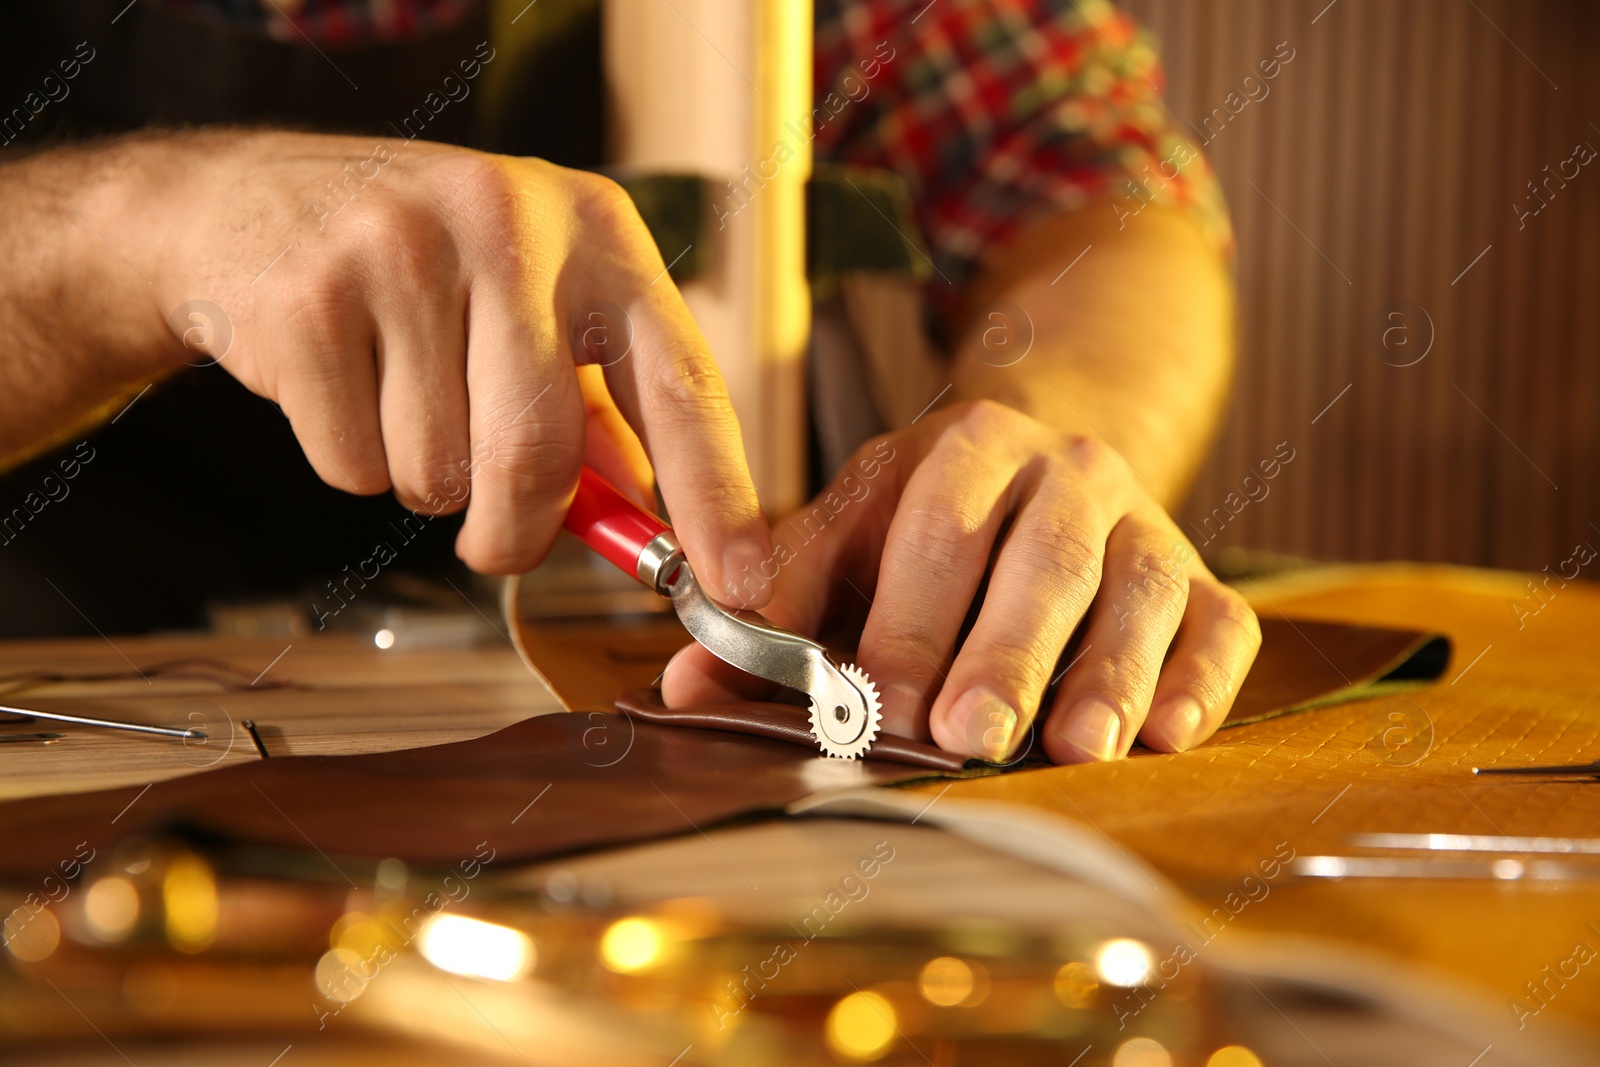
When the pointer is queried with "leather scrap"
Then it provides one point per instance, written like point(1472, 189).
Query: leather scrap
point(546, 786)
point(783, 722)
point(1305, 664)
point(563, 783)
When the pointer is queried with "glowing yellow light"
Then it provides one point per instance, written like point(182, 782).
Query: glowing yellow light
point(111, 907)
point(1233, 1056)
point(1075, 985)
point(383, 638)
point(945, 981)
point(342, 976)
point(861, 1026)
point(1141, 1052)
point(473, 947)
point(631, 945)
point(31, 936)
point(189, 895)
point(1123, 961)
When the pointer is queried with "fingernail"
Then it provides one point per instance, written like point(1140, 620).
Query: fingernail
point(743, 579)
point(1176, 725)
point(986, 723)
point(1094, 728)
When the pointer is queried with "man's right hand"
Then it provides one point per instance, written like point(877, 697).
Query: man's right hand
point(423, 314)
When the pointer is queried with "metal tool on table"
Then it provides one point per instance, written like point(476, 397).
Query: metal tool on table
point(845, 712)
point(1568, 770)
point(185, 733)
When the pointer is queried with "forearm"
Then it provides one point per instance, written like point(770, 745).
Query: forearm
point(78, 305)
point(1133, 343)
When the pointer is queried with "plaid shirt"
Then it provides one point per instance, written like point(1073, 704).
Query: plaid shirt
point(1000, 112)
point(996, 113)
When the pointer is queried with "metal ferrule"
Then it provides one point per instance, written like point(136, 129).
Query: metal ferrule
point(659, 561)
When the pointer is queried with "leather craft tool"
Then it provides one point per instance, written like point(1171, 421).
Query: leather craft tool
point(185, 733)
point(844, 703)
point(1568, 770)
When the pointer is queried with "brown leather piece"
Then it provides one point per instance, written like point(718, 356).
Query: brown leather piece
point(1305, 664)
point(781, 722)
point(549, 785)
point(1302, 664)
point(567, 782)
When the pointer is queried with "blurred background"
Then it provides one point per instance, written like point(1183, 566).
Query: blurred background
point(1415, 204)
point(1380, 184)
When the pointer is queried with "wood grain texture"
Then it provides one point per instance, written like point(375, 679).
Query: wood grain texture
point(1209, 817)
point(1379, 163)
point(347, 696)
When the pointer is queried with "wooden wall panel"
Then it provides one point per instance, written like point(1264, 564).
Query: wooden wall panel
point(1386, 157)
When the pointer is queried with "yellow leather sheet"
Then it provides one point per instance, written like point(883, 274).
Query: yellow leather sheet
point(1523, 688)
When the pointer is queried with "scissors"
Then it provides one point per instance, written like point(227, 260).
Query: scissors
point(845, 711)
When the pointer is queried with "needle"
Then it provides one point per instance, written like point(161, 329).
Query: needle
point(189, 733)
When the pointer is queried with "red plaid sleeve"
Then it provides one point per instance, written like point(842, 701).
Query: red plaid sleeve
point(999, 112)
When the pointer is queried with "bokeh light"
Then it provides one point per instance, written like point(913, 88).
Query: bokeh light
point(31, 936)
point(631, 945)
point(1075, 985)
point(1233, 1056)
point(189, 897)
point(861, 1026)
point(1141, 1052)
point(1123, 962)
point(473, 947)
point(111, 908)
point(339, 975)
point(945, 981)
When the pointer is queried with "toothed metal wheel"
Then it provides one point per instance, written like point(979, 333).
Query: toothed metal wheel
point(846, 723)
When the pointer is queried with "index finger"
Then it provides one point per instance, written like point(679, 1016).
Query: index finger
point(672, 394)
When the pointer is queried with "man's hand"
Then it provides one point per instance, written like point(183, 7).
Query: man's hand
point(422, 314)
point(979, 506)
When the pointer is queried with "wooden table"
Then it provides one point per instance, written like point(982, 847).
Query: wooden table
point(1522, 689)
point(344, 695)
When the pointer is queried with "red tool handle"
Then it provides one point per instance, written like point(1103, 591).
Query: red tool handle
point(610, 523)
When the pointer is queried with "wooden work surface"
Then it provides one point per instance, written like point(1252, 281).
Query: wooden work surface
point(1206, 819)
point(1528, 695)
point(344, 695)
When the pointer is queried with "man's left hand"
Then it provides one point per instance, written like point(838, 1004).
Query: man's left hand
point(979, 510)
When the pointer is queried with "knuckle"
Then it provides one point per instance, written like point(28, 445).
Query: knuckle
point(405, 244)
point(940, 530)
point(1020, 666)
point(533, 462)
point(688, 383)
point(1058, 546)
point(1156, 574)
point(314, 306)
point(603, 205)
point(502, 556)
point(983, 417)
point(1232, 611)
point(948, 516)
point(439, 486)
point(1089, 455)
point(480, 184)
point(1127, 675)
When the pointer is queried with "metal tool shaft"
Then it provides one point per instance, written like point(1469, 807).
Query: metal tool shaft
point(190, 733)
